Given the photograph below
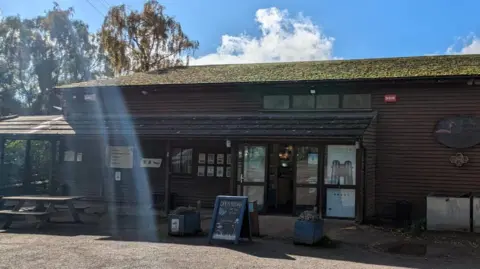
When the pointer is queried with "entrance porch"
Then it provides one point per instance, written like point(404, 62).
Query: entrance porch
point(285, 162)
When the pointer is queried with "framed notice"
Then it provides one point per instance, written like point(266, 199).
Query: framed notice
point(211, 159)
point(220, 158)
point(219, 171)
point(201, 158)
point(201, 171)
point(121, 157)
point(227, 171)
point(210, 171)
point(229, 159)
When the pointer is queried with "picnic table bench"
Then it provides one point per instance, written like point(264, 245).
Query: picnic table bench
point(42, 212)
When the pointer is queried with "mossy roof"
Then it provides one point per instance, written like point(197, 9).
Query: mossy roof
point(364, 69)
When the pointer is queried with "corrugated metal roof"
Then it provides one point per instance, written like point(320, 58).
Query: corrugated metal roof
point(35, 125)
point(223, 125)
point(384, 68)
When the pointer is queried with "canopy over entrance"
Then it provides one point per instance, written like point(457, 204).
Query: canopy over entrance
point(291, 125)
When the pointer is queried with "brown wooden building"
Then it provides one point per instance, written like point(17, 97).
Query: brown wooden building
point(351, 137)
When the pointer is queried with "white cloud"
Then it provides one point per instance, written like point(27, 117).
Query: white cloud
point(468, 45)
point(283, 39)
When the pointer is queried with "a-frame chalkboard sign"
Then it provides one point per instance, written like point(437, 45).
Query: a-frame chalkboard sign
point(230, 220)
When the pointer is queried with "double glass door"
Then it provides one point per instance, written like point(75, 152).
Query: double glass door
point(322, 175)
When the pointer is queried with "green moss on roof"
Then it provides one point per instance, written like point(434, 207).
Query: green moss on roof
point(386, 68)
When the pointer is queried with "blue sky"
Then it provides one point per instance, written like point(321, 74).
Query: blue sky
point(254, 30)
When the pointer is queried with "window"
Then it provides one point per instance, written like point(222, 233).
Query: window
point(326, 101)
point(303, 101)
point(182, 161)
point(356, 101)
point(321, 101)
point(276, 102)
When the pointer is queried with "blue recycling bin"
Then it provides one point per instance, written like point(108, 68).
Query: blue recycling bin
point(308, 232)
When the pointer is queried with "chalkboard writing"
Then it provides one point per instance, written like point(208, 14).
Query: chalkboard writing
point(230, 220)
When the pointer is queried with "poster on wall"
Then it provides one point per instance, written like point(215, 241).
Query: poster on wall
point(201, 171)
point(340, 203)
point(210, 171)
point(211, 159)
point(201, 158)
point(340, 165)
point(220, 158)
point(219, 171)
point(121, 157)
point(229, 159)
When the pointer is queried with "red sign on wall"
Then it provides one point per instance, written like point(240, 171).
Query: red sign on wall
point(390, 98)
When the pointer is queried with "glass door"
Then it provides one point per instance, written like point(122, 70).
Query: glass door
point(340, 181)
point(252, 164)
point(306, 178)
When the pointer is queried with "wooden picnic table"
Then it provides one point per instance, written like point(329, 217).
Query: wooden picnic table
point(42, 212)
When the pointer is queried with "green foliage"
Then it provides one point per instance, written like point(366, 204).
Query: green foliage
point(143, 41)
point(38, 53)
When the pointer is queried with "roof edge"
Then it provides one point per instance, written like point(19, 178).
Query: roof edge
point(287, 82)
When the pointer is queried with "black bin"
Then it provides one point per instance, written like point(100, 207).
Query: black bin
point(403, 213)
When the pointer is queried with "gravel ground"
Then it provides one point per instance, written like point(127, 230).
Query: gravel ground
point(19, 249)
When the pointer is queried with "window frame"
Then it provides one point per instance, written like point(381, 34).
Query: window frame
point(277, 109)
point(181, 172)
point(370, 101)
point(340, 107)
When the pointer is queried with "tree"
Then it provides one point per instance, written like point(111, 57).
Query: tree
point(39, 53)
point(143, 41)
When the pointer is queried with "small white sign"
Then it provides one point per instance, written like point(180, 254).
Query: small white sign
point(201, 171)
point(79, 156)
point(210, 171)
point(69, 156)
point(151, 162)
point(211, 159)
point(227, 171)
point(219, 171)
point(220, 158)
point(201, 158)
point(118, 176)
point(175, 225)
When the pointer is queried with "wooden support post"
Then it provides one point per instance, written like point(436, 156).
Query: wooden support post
point(53, 156)
point(2, 160)
point(360, 190)
point(233, 168)
point(27, 175)
point(167, 177)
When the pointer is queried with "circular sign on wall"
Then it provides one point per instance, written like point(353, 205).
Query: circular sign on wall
point(458, 132)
